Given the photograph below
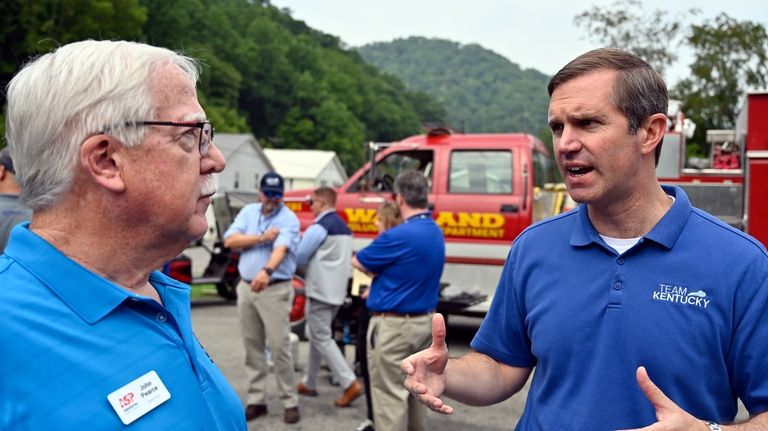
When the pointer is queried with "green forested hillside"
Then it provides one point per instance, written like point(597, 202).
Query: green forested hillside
point(292, 86)
point(481, 90)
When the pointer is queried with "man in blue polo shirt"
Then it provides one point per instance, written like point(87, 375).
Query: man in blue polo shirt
point(268, 234)
point(91, 336)
point(637, 310)
point(406, 262)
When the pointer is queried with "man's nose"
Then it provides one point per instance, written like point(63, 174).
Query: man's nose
point(213, 161)
point(569, 141)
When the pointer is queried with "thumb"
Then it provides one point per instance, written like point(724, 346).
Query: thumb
point(652, 392)
point(438, 331)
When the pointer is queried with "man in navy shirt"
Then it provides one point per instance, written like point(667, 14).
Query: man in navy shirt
point(406, 262)
point(636, 309)
point(115, 157)
point(325, 252)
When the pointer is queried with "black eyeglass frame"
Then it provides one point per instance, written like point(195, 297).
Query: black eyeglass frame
point(203, 145)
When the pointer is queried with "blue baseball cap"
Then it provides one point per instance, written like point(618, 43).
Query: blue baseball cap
point(272, 183)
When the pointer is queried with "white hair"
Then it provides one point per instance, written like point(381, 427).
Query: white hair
point(59, 99)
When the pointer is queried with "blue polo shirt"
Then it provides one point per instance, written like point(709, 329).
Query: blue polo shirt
point(250, 221)
point(69, 337)
point(408, 262)
point(688, 302)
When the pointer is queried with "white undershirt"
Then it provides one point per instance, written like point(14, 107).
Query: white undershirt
point(623, 244)
point(620, 244)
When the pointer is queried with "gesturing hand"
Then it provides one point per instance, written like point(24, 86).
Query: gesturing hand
point(425, 370)
point(669, 415)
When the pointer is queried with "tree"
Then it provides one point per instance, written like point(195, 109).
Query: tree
point(729, 57)
point(651, 35)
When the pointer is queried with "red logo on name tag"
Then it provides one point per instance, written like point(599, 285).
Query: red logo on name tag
point(126, 400)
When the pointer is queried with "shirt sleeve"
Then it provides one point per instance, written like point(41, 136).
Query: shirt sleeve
point(311, 240)
point(502, 334)
point(240, 224)
point(289, 230)
point(380, 254)
point(748, 349)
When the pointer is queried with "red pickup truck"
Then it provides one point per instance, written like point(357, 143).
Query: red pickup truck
point(486, 188)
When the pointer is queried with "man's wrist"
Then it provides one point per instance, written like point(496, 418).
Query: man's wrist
point(268, 270)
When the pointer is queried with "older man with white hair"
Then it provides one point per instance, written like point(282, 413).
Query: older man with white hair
point(115, 157)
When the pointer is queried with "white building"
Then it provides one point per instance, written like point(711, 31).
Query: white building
point(246, 162)
point(307, 169)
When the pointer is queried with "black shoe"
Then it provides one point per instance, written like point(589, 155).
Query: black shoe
point(255, 410)
point(365, 426)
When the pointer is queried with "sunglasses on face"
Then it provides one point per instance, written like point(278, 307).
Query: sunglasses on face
point(273, 195)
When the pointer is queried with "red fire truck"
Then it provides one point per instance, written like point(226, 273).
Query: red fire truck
point(485, 189)
point(731, 182)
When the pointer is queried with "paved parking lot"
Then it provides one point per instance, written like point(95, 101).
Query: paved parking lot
point(216, 325)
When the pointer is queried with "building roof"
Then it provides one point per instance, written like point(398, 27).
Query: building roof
point(302, 163)
point(233, 143)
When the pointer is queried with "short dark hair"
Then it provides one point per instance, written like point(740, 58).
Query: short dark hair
point(638, 91)
point(413, 187)
point(6, 161)
point(327, 194)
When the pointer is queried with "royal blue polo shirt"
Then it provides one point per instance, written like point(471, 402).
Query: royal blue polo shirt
point(408, 262)
point(69, 338)
point(688, 302)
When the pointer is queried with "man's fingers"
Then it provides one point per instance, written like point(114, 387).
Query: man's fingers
point(438, 331)
point(651, 391)
point(407, 367)
point(435, 404)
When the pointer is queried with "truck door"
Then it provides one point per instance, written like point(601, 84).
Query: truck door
point(481, 206)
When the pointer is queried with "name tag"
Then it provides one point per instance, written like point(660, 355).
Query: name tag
point(139, 397)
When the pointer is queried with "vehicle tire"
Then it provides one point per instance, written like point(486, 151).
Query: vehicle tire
point(227, 289)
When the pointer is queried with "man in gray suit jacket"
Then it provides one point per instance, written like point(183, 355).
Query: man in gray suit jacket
point(325, 252)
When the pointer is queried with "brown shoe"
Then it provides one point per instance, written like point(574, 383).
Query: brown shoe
point(291, 415)
point(305, 390)
point(350, 394)
point(255, 410)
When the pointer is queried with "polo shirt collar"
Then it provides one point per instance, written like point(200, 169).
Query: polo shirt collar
point(665, 233)
point(89, 295)
point(324, 213)
point(419, 216)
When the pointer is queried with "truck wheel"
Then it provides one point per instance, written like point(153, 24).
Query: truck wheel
point(227, 289)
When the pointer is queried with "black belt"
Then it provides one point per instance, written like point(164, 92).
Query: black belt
point(392, 314)
point(272, 281)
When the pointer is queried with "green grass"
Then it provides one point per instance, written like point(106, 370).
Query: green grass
point(201, 290)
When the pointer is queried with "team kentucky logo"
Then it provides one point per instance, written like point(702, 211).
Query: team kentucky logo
point(680, 295)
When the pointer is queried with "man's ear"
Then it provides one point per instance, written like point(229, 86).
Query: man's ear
point(101, 158)
point(654, 128)
point(2, 172)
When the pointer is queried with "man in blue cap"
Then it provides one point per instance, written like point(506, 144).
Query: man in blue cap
point(268, 235)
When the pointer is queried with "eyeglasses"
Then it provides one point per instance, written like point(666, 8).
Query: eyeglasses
point(273, 195)
point(205, 137)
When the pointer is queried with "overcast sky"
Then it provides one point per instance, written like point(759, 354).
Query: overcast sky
point(537, 34)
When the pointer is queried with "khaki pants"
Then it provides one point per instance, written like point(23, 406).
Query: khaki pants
point(390, 340)
point(264, 321)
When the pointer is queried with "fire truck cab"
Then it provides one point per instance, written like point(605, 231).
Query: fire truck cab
point(485, 189)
